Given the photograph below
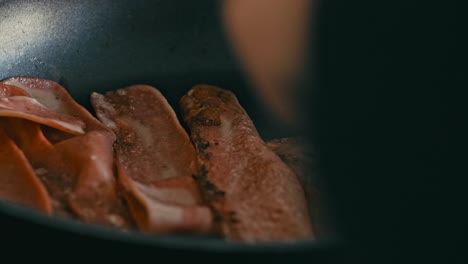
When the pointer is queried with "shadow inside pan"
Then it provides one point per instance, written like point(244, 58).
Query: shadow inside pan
point(104, 45)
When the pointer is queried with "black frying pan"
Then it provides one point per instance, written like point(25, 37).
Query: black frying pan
point(104, 45)
point(379, 68)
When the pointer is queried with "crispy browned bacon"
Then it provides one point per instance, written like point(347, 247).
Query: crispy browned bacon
point(254, 195)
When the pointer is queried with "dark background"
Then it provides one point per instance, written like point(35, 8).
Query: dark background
point(386, 72)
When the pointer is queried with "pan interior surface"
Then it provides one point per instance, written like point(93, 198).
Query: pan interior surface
point(99, 46)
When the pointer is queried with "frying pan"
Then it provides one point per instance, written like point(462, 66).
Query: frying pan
point(376, 72)
point(104, 45)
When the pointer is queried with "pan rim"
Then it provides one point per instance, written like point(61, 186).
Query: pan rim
point(214, 245)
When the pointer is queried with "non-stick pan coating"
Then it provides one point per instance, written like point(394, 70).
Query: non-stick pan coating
point(104, 45)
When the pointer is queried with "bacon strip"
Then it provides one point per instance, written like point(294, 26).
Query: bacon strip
point(30, 109)
point(295, 153)
point(77, 171)
point(18, 182)
point(53, 96)
point(162, 209)
point(155, 160)
point(45, 160)
point(9, 90)
point(16, 102)
point(254, 195)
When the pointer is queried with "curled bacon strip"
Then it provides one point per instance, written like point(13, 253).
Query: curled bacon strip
point(158, 208)
point(18, 182)
point(16, 102)
point(30, 109)
point(9, 90)
point(155, 160)
point(78, 170)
